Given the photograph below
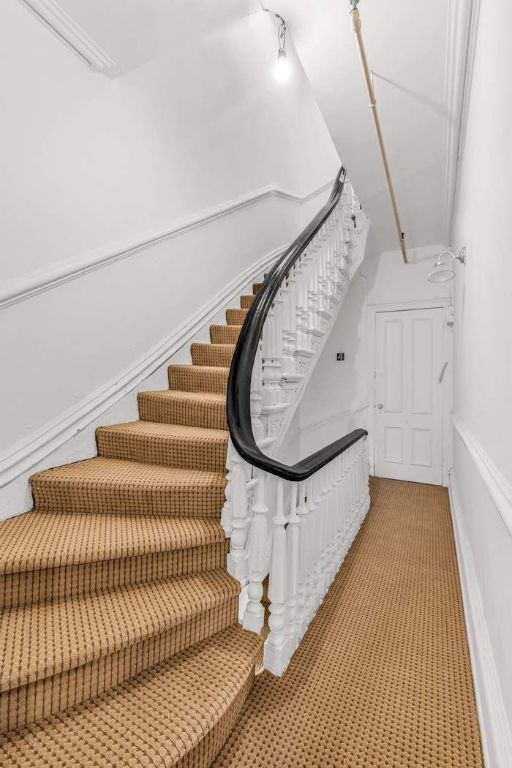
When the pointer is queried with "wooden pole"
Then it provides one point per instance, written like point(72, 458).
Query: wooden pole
point(356, 26)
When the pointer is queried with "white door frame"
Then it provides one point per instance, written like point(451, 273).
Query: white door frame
point(447, 387)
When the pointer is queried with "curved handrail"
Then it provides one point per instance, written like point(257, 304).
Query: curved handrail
point(240, 375)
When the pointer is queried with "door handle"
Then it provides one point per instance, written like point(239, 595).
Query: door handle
point(380, 406)
point(443, 369)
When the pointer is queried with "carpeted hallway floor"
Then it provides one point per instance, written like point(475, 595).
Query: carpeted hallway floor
point(382, 678)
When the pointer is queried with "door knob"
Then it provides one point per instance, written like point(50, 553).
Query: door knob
point(380, 406)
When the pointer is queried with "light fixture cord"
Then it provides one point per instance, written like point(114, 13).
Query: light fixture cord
point(282, 29)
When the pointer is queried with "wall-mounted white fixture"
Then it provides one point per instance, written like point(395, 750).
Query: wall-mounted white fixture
point(444, 268)
point(282, 67)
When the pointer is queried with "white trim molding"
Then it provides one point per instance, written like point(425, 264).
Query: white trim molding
point(325, 420)
point(372, 309)
point(418, 253)
point(494, 727)
point(460, 53)
point(28, 453)
point(43, 280)
point(55, 18)
point(498, 486)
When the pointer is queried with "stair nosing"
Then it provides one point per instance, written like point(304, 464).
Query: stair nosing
point(94, 652)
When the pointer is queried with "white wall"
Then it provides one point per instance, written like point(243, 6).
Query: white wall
point(336, 399)
point(339, 395)
point(483, 365)
point(91, 166)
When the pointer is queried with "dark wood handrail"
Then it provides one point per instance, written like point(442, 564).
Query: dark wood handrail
point(240, 375)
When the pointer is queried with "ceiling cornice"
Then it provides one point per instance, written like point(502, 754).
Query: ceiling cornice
point(55, 18)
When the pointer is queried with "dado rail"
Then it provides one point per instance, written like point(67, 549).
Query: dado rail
point(292, 523)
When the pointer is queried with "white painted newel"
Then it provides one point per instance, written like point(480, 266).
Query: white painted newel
point(297, 534)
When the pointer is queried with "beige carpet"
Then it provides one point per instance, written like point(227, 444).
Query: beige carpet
point(382, 678)
point(119, 642)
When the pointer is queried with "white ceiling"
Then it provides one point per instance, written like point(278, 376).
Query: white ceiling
point(409, 48)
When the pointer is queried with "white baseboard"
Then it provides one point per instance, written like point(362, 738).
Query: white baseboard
point(32, 454)
point(494, 727)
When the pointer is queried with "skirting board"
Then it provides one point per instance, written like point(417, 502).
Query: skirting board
point(28, 456)
point(494, 727)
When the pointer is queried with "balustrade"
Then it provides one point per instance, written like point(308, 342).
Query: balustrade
point(296, 533)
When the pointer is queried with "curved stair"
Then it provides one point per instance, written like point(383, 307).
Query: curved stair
point(118, 637)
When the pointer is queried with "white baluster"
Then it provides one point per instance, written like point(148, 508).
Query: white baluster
point(304, 545)
point(271, 389)
point(237, 557)
point(254, 614)
point(258, 428)
point(292, 556)
point(275, 645)
point(225, 516)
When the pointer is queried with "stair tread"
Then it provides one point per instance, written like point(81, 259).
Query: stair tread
point(224, 334)
point(198, 378)
point(175, 445)
point(112, 472)
point(214, 398)
point(40, 540)
point(155, 718)
point(236, 316)
point(130, 487)
point(158, 431)
point(200, 409)
point(42, 640)
point(214, 369)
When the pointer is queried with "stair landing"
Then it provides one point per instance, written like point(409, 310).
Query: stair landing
point(383, 677)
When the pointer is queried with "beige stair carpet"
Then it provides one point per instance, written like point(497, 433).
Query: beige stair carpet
point(382, 678)
point(119, 642)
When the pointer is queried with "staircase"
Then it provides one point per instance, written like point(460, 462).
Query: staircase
point(119, 640)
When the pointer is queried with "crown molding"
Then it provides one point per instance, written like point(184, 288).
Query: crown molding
point(43, 280)
point(55, 18)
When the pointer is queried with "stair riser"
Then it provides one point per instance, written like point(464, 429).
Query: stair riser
point(224, 334)
point(187, 454)
point(194, 501)
point(236, 316)
point(58, 693)
point(190, 379)
point(218, 355)
point(31, 587)
point(246, 301)
point(256, 287)
point(175, 412)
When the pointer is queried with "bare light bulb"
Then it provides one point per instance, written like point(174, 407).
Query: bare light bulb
point(282, 69)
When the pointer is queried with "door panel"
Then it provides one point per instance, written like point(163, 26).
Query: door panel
point(408, 413)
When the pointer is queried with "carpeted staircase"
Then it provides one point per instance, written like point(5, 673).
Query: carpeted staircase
point(119, 641)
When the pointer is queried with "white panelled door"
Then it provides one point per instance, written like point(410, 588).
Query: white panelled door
point(409, 395)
